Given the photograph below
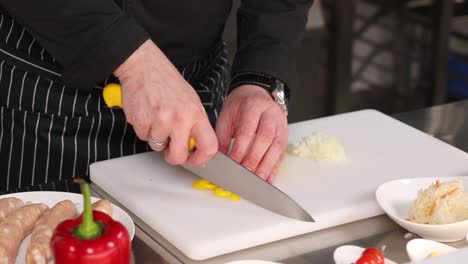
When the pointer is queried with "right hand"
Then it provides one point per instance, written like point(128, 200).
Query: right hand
point(157, 101)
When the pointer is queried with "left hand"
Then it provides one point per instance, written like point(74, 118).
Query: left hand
point(259, 128)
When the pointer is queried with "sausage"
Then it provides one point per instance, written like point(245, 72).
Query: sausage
point(39, 251)
point(103, 206)
point(15, 227)
point(8, 205)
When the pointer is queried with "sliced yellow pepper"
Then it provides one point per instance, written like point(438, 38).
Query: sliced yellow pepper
point(204, 184)
point(220, 192)
point(235, 197)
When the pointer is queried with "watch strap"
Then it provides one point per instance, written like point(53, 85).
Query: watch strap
point(254, 78)
point(276, 88)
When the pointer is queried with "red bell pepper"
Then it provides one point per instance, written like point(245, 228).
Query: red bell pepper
point(92, 238)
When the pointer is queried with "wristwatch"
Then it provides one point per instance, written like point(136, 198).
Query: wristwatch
point(278, 90)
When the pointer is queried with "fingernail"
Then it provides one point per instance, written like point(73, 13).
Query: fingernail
point(269, 180)
point(223, 150)
point(261, 175)
point(236, 157)
point(254, 170)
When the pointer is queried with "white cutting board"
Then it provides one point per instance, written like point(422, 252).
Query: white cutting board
point(200, 225)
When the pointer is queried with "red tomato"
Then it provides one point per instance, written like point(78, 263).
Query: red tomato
point(376, 254)
point(366, 259)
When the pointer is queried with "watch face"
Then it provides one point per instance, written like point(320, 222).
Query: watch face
point(278, 95)
point(278, 92)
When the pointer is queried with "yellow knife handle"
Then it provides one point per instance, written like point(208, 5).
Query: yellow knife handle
point(191, 144)
point(112, 94)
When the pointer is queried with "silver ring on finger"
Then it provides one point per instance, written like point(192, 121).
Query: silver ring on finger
point(158, 143)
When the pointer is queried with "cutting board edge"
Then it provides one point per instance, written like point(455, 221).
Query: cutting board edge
point(194, 252)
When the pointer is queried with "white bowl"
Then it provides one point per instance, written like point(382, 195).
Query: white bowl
point(395, 199)
point(419, 249)
point(349, 254)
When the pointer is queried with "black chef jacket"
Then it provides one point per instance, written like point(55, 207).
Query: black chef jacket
point(91, 38)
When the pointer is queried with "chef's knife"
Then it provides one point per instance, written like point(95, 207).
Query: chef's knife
point(230, 175)
point(223, 171)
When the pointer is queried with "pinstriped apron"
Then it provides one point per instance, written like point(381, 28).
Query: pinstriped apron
point(50, 133)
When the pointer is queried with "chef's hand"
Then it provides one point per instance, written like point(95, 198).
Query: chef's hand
point(259, 128)
point(157, 101)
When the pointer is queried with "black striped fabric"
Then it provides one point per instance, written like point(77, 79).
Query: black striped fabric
point(50, 133)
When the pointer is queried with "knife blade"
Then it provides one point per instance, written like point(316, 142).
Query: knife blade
point(239, 180)
point(230, 175)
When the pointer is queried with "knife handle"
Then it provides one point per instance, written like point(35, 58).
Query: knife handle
point(112, 94)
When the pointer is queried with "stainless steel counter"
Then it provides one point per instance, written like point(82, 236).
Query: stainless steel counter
point(447, 122)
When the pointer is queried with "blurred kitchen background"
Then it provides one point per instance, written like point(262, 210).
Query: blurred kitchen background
point(389, 55)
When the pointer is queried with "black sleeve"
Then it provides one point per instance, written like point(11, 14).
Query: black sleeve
point(269, 34)
point(89, 38)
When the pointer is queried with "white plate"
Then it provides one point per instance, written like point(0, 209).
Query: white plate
point(51, 198)
point(396, 197)
point(349, 254)
point(418, 249)
point(459, 256)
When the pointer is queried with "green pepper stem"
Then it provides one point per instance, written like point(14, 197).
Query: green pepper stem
point(88, 228)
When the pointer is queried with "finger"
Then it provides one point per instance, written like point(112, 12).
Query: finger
point(274, 153)
point(140, 123)
point(159, 133)
point(141, 132)
point(177, 151)
point(275, 171)
point(224, 128)
point(264, 136)
point(206, 143)
point(244, 134)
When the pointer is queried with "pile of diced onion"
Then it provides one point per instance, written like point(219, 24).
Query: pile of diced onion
point(319, 147)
